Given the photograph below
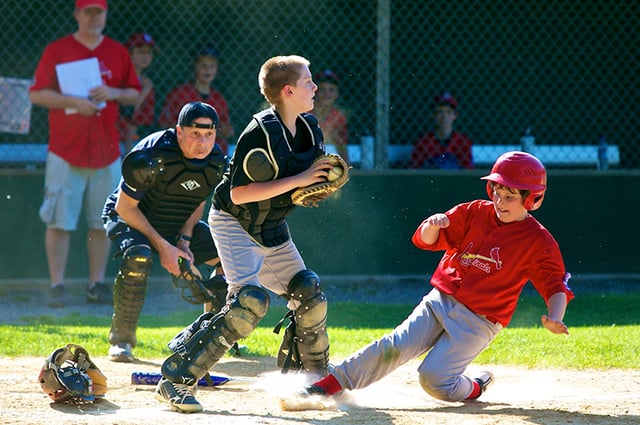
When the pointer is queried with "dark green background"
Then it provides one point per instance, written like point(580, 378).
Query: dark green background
point(367, 228)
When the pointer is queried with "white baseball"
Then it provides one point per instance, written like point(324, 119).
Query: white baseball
point(335, 173)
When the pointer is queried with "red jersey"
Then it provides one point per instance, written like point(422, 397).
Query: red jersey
point(186, 93)
point(334, 128)
point(487, 263)
point(142, 115)
point(454, 153)
point(86, 141)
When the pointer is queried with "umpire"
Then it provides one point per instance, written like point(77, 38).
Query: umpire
point(157, 207)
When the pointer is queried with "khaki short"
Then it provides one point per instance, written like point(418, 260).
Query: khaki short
point(69, 189)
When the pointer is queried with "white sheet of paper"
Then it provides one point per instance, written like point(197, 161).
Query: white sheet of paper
point(78, 77)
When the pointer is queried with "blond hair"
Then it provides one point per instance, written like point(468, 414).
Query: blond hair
point(278, 72)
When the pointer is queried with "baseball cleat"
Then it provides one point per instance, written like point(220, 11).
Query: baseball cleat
point(179, 396)
point(312, 390)
point(121, 353)
point(485, 380)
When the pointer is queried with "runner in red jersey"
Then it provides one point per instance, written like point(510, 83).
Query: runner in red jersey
point(491, 250)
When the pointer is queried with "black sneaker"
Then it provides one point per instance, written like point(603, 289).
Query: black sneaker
point(56, 296)
point(179, 396)
point(100, 293)
point(313, 390)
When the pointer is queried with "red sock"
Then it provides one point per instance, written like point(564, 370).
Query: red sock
point(330, 384)
point(475, 392)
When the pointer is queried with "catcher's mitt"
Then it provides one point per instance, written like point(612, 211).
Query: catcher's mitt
point(195, 289)
point(338, 176)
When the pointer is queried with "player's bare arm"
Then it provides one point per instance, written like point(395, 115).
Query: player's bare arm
point(431, 228)
point(127, 209)
point(259, 191)
point(187, 230)
point(553, 320)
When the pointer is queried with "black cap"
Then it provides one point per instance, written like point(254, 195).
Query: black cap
point(194, 110)
point(327, 76)
point(207, 51)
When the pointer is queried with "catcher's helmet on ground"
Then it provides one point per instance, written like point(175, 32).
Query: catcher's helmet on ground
point(69, 376)
point(520, 170)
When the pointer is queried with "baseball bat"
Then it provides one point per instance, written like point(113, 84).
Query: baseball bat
point(152, 378)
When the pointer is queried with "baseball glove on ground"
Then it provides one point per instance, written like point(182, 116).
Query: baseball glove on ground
point(338, 176)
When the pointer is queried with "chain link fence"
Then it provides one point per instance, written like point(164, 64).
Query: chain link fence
point(568, 70)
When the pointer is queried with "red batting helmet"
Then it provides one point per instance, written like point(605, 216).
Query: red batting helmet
point(520, 170)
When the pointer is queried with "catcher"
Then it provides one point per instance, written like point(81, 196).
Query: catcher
point(158, 206)
point(276, 155)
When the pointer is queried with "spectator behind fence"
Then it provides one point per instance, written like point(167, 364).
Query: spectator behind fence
point(205, 68)
point(331, 118)
point(141, 47)
point(83, 162)
point(443, 147)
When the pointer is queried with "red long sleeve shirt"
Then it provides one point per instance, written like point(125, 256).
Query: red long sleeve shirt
point(428, 150)
point(487, 263)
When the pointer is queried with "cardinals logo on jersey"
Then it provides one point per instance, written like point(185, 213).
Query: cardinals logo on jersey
point(480, 261)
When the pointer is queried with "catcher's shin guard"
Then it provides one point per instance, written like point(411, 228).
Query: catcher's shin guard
point(202, 344)
point(305, 344)
point(129, 292)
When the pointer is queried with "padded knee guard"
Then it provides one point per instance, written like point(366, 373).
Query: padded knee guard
point(305, 344)
point(202, 344)
point(129, 292)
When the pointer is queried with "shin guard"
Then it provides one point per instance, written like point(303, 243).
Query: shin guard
point(305, 345)
point(129, 292)
point(202, 344)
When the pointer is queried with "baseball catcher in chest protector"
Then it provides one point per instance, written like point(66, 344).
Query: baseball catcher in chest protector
point(279, 152)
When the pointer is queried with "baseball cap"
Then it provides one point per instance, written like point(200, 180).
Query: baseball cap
point(140, 39)
point(327, 76)
point(446, 99)
point(207, 51)
point(83, 4)
point(194, 110)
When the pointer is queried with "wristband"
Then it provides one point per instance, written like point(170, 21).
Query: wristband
point(185, 238)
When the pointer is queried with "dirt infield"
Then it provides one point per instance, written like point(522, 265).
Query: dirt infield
point(519, 396)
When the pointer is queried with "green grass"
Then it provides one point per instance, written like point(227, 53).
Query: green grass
point(605, 333)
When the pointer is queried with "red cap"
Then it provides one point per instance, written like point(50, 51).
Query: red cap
point(140, 39)
point(83, 4)
point(445, 99)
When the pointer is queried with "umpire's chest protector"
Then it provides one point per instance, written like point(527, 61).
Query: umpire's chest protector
point(181, 187)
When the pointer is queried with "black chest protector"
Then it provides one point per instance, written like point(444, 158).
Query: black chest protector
point(265, 221)
point(181, 187)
